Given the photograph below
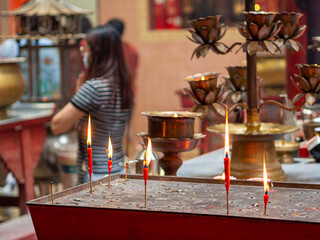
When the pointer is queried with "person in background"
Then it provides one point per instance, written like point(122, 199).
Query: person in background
point(130, 52)
point(131, 57)
point(105, 92)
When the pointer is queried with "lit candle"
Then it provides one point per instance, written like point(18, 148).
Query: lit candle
point(227, 160)
point(109, 153)
point(265, 183)
point(146, 162)
point(89, 152)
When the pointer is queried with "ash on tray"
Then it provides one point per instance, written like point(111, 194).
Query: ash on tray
point(196, 196)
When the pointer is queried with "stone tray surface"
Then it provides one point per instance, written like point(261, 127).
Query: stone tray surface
point(292, 202)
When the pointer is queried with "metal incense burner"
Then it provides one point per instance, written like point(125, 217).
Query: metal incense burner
point(171, 132)
point(195, 207)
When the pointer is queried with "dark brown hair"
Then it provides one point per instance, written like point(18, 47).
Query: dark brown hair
point(107, 60)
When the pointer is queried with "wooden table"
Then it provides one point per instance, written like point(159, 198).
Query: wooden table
point(22, 135)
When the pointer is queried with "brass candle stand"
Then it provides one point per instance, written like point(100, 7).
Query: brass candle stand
point(263, 32)
point(171, 132)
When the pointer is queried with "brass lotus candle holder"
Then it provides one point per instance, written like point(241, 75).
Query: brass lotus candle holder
point(290, 30)
point(260, 31)
point(207, 32)
point(263, 31)
point(307, 82)
point(205, 93)
point(316, 43)
point(236, 84)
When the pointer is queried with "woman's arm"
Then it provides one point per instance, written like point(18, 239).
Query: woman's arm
point(65, 119)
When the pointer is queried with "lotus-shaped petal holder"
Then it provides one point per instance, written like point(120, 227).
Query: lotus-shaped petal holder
point(236, 85)
point(260, 31)
point(205, 93)
point(207, 32)
point(316, 43)
point(308, 82)
point(290, 30)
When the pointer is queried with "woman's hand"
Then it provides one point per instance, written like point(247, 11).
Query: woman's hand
point(65, 119)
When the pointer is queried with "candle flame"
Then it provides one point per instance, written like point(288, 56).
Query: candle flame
point(147, 158)
point(226, 135)
point(175, 115)
point(202, 78)
point(110, 150)
point(265, 176)
point(89, 131)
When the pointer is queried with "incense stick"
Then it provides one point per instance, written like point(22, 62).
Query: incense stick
point(145, 194)
point(227, 203)
point(51, 189)
point(90, 184)
point(126, 172)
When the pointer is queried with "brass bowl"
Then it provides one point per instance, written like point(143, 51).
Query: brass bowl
point(286, 151)
point(239, 130)
point(171, 124)
point(173, 145)
point(11, 83)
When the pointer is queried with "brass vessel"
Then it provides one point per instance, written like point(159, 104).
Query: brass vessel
point(248, 148)
point(171, 124)
point(171, 147)
point(286, 150)
point(11, 83)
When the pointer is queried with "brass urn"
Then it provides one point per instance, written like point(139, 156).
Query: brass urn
point(11, 83)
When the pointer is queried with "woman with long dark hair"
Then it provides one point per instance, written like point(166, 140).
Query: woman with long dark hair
point(105, 92)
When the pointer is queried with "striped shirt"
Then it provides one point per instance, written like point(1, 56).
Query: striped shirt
point(102, 99)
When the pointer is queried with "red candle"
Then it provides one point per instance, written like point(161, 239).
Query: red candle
point(89, 152)
point(266, 184)
point(110, 152)
point(227, 160)
point(146, 162)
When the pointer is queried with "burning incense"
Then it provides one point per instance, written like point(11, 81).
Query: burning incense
point(126, 172)
point(51, 190)
point(89, 152)
point(109, 153)
point(266, 184)
point(146, 162)
point(227, 161)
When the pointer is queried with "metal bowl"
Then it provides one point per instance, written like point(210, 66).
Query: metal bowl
point(171, 124)
point(286, 151)
point(272, 131)
point(173, 145)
